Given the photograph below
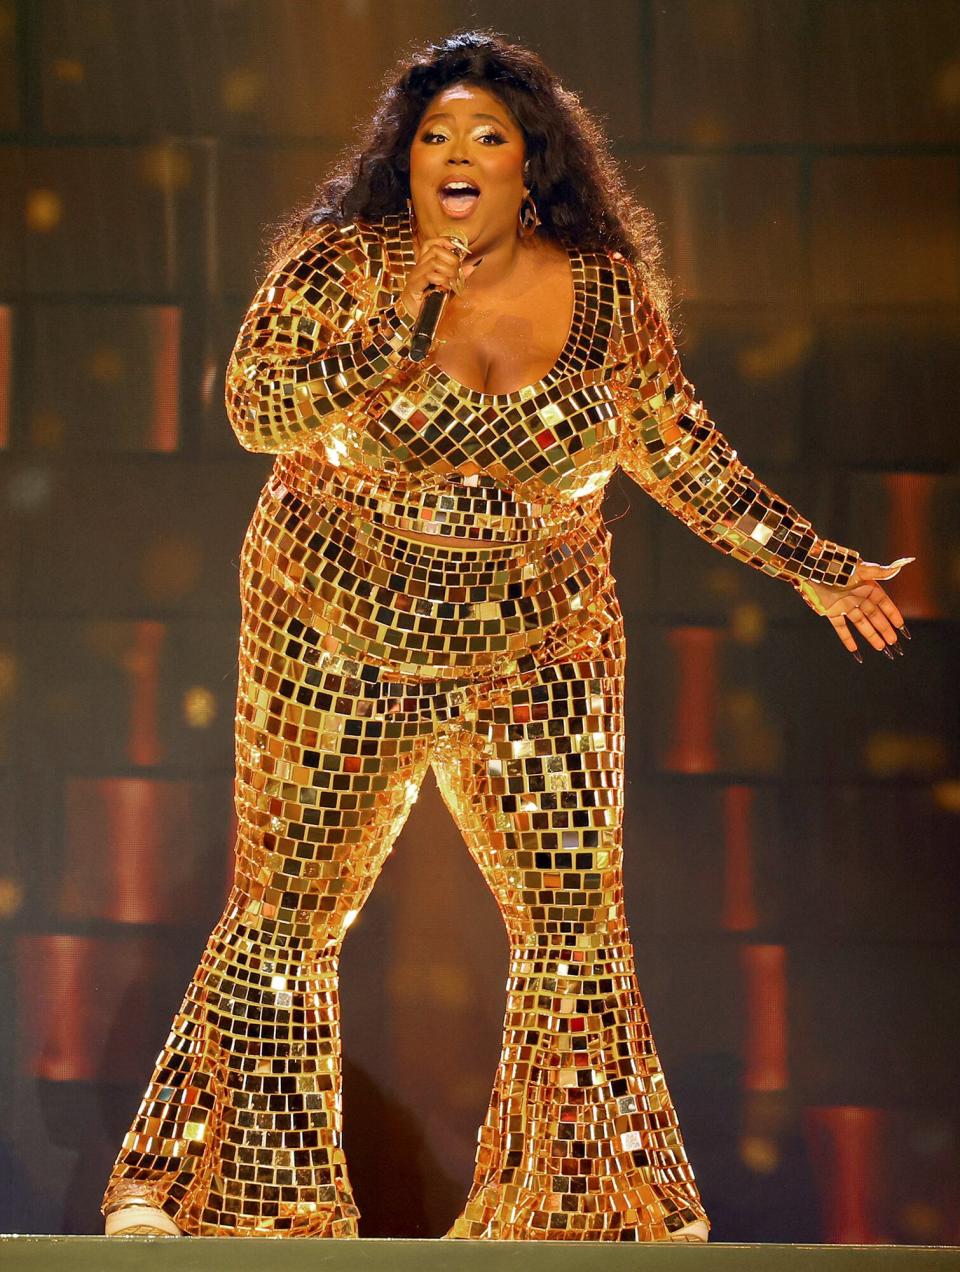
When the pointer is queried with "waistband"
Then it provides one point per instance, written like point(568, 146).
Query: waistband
point(443, 506)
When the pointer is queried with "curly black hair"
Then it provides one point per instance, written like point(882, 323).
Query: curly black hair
point(580, 193)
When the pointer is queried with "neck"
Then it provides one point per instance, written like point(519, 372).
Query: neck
point(500, 259)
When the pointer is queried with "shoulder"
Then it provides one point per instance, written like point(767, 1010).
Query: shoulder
point(630, 303)
point(331, 262)
point(354, 244)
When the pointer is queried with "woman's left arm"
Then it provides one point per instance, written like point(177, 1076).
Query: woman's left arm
point(675, 452)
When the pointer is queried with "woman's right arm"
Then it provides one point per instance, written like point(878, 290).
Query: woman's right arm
point(312, 345)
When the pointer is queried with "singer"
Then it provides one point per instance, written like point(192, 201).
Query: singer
point(426, 582)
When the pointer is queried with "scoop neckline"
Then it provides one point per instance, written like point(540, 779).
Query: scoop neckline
point(481, 396)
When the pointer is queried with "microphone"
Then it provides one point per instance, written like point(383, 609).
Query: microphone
point(432, 306)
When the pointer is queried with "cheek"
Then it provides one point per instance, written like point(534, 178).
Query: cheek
point(507, 169)
point(419, 165)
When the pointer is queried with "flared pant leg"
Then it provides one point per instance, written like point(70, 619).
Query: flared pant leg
point(239, 1132)
point(580, 1139)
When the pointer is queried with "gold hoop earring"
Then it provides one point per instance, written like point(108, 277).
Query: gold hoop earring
point(527, 218)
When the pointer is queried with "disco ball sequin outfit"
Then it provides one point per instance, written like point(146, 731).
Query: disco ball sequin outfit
point(366, 656)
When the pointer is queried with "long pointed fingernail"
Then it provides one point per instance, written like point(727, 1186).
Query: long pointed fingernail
point(903, 631)
point(886, 650)
point(898, 647)
point(857, 654)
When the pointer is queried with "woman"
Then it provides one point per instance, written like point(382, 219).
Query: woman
point(426, 581)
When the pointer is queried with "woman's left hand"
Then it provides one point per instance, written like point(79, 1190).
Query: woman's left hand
point(862, 602)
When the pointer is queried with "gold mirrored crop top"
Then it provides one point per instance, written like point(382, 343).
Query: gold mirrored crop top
point(319, 376)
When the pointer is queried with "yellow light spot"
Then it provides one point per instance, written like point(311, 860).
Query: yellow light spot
point(170, 570)
point(11, 897)
point(106, 365)
point(924, 1222)
point(946, 795)
point(165, 167)
point(887, 753)
point(349, 917)
point(708, 130)
point(947, 85)
point(43, 210)
point(759, 1153)
point(278, 982)
point(68, 70)
point(779, 352)
point(748, 624)
point(722, 583)
point(195, 1130)
point(199, 707)
point(47, 428)
point(241, 88)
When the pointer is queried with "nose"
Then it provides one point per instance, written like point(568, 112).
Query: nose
point(457, 152)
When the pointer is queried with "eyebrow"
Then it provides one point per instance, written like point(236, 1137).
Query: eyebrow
point(444, 114)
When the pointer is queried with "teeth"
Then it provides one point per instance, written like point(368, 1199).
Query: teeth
point(460, 187)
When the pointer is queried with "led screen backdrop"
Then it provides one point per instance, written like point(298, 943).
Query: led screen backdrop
point(793, 819)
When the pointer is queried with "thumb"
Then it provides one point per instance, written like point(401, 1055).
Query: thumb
point(871, 570)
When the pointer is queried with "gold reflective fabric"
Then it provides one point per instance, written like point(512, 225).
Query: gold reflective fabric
point(367, 655)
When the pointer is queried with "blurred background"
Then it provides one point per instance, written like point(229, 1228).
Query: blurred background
point(792, 846)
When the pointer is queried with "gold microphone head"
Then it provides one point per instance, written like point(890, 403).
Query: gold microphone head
point(459, 243)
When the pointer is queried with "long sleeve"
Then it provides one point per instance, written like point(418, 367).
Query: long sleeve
point(675, 452)
point(312, 344)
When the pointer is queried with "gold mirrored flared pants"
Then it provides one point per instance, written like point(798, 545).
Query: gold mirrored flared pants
point(239, 1131)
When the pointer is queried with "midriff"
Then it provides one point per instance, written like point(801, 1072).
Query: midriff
point(455, 540)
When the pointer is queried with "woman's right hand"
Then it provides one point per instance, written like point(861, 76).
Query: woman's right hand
point(437, 264)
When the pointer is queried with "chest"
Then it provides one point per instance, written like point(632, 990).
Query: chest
point(500, 344)
point(557, 436)
point(562, 439)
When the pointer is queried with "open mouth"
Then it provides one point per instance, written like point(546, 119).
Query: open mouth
point(458, 198)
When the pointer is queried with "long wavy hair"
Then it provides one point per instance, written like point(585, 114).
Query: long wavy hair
point(579, 191)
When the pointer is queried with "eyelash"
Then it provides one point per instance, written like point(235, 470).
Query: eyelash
point(498, 137)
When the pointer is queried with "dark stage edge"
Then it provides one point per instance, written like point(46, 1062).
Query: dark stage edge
point(211, 1254)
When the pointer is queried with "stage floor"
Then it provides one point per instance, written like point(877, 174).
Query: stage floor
point(218, 1254)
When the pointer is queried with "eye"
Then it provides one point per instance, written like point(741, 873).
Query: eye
point(429, 136)
point(498, 139)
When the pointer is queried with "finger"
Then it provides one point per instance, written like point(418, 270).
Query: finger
point(875, 615)
point(845, 635)
point(890, 610)
point(865, 627)
point(872, 590)
point(440, 249)
point(871, 570)
point(440, 240)
point(440, 260)
point(444, 278)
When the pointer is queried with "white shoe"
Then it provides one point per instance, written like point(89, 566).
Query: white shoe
point(696, 1231)
point(140, 1221)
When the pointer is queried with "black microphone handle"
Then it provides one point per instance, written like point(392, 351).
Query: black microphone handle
point(431, 307)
